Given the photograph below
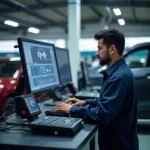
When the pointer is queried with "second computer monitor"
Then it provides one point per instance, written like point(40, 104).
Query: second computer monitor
point(85, 73)
point(39, 65)
point(63, 65)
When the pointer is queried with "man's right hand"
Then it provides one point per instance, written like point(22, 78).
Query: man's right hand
point(76, 102)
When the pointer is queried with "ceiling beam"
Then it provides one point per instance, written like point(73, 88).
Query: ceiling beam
point(7, 3)
point(116, 3)
point(30, 12)
point(18, 4)
point(35, 7)
point(93, 21)
point(21, 22)
point(96, 12)
point(53, 9)
point(59, 13)
point(133, 11)
point(37, 2)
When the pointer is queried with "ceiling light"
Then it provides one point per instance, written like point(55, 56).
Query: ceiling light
point(121, 22)
point(117, 11)
point(11, 23)
point(33, 30)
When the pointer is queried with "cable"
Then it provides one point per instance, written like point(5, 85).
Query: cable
point(4, 126)
point(7, 114)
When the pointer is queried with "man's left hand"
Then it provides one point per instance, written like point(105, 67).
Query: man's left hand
point(63, 107)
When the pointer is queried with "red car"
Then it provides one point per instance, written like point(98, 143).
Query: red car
point(10, 70)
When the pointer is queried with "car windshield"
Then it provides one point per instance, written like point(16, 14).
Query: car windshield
point(8, 68)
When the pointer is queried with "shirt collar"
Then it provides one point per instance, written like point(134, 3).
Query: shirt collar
point(114, 66)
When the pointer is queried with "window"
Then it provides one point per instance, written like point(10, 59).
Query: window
point(8, 68)
point(137, 59)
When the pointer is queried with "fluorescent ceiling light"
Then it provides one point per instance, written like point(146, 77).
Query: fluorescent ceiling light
point(121, 22)
point(117, 11)
point(11, 23)
point(33, 30)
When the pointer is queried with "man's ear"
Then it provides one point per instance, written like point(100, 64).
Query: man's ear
point(112, 50)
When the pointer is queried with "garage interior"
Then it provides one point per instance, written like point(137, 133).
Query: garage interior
point(52, 21)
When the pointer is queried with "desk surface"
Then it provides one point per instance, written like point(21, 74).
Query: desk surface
point(26, 140)
point(17, 139)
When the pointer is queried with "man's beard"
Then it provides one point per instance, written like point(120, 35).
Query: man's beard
point(106, 60)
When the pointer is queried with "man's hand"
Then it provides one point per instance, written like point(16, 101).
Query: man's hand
point(63, 107)
point(76, 102)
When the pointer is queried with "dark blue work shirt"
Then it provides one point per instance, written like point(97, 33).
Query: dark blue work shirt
point(115, 111)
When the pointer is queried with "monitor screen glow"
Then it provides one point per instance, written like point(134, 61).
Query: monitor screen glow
point(39, 64)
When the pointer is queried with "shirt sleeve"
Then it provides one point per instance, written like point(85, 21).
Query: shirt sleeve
point(92, 102)
point(108, 107)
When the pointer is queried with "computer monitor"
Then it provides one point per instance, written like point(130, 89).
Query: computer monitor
point(85, 73)
point(39, 65)
point(62, 56)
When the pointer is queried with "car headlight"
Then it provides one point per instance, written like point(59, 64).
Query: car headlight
point(1, 86)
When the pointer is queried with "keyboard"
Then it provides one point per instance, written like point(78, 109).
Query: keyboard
point(56, 125)
point(53, 112)
point(96, 88)
point(87, 94)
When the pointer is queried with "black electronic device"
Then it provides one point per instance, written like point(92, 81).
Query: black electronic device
point(86, 79)
point(56, 125)
point(39, 65)
point(26, 107)
point(55, 94)
point(64, 68)
point(72, 88)
point(52, 112)
point(87, 94)
point(85, 74)
point(62, 56)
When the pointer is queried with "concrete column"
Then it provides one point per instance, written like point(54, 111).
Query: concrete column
point(74, 27)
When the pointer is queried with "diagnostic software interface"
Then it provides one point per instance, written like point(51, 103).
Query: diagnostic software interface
point(32, 105)
point(63, 65)
point(41, 65)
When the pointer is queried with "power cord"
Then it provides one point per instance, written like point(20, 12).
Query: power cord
point(7, 114)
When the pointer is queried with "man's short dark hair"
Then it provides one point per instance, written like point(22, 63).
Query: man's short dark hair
point(112, 37)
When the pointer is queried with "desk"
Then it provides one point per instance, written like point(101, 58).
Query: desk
point(25, 140)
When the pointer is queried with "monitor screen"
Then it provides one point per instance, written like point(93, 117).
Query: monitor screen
point(62, 56)
point(39, 65)
point(84, 69)
point(32, 105)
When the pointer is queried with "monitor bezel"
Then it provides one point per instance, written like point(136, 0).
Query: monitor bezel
point(64, 49)
point(24, 65)
point(83, 64)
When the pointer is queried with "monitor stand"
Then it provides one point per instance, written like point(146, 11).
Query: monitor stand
point(71, 88)
point(55, 94)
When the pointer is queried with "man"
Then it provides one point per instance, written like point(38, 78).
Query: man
point(116, 109)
